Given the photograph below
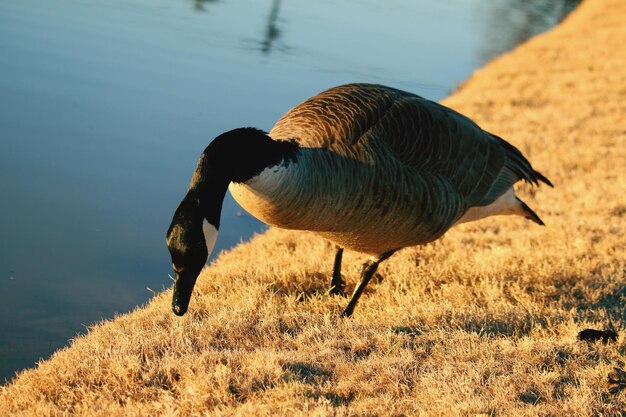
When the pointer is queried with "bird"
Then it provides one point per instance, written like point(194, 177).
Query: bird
point(368, 167)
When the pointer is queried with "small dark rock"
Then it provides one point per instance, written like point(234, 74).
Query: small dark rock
point(592, 335)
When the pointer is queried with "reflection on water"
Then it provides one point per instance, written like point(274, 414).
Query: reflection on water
point(510, 22)
point(106, 105)
point(271, 32)
point(200, 5)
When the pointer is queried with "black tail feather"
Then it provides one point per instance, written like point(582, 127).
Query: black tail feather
point(520, 165)
point(543, 179)
point(530, 214)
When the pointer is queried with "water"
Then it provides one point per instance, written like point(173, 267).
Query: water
point(105, 106)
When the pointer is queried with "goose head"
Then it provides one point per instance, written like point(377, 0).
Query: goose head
point(237, 155)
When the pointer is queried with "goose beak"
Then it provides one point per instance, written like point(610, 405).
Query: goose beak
point(183, 287)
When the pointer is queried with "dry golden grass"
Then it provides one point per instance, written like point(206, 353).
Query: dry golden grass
point(482, 322)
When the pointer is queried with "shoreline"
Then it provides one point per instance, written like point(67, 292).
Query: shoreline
point(484, 321)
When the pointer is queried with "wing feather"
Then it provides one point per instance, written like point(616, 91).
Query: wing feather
point(424, 136)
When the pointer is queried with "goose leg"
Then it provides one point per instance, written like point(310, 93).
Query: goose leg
point(368, 271)
point(337, 284)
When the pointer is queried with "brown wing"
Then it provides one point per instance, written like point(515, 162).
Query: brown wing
point(425, 136)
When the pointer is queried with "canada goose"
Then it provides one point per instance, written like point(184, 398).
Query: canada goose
point(370, 168)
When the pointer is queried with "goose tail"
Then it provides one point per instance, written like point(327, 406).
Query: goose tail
point(543, 179)
point(529, 213)
point(519, 165)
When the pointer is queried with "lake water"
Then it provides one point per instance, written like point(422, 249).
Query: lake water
point(105, 106)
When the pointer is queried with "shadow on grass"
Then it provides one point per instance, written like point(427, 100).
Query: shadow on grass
point(312, 284)
point(315, 376)
point(486, 325)
point(595, 297)
point(305, 372)
point(612, 304)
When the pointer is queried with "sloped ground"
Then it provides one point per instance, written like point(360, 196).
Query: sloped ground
point(482, 322)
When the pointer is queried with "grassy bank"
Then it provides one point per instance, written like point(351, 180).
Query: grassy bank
point(482, 322)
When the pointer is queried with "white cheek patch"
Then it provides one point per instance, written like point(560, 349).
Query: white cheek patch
point(210, 236)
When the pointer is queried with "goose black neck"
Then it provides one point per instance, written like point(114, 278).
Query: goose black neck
point(237, 155)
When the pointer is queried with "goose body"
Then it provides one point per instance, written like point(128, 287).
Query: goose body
point(381, 169)
point(371, 168)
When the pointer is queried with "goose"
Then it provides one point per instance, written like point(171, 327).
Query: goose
point(370, 168)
